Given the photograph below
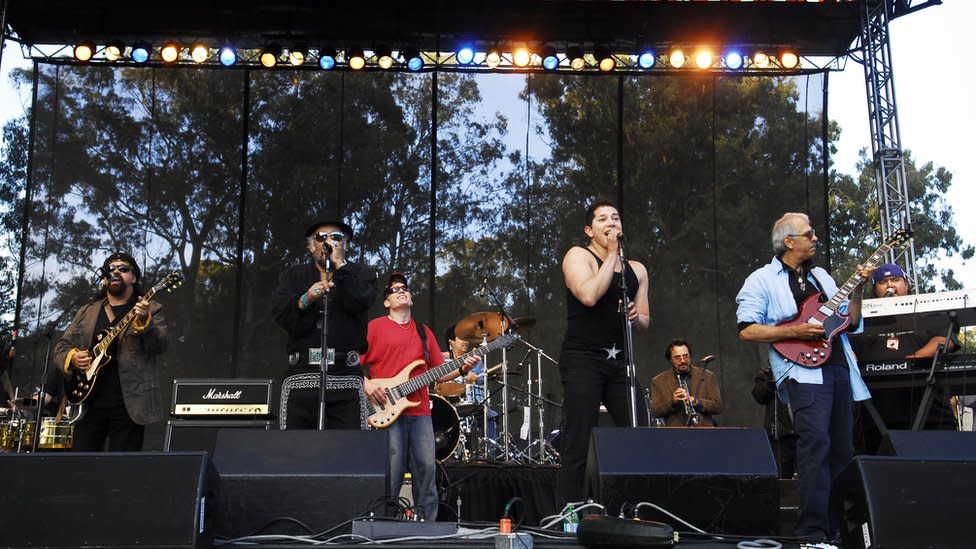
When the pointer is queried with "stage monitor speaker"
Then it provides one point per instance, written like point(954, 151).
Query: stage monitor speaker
point(200, 435)
point(956, 445)
point(902, 503)
point(149, 499)
point(719, 479)
point(321, 478)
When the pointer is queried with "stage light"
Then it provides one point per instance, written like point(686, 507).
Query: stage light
point(550, 61)
point(356, 59)
point(733, 60)
point(296, 56)
point(83, 51)
point(494, 58)
point(703, 59)
point(760, 60)
point(677, 59)
point(384, 58)
point(465, 55)
point(327, 59)
point(576, 60)
point(789, 60)
point(140, 53)
point(646, 59)
point(412, 59)
point(269, 56)
point(521, 57)
point(169, 52)
point(604, 59)
point(199, 53)
point(228, 56)
point(114, 50)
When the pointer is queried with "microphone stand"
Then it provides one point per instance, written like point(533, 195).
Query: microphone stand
point(504, 328)
point(324, 353)
point(628, 338)
point(49, 334)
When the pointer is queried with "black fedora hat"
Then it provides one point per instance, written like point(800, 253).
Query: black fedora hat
point(328, 216)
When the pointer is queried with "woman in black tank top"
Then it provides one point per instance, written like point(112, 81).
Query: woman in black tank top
point(593, 364)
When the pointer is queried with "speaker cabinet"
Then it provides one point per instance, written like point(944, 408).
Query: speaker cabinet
point(321, 478)
point(955, 445)
point(200, 435)
point(902, 503)
point(720, 479)
point(150, 499)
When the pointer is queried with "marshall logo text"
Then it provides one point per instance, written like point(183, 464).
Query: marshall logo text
point(214, 394)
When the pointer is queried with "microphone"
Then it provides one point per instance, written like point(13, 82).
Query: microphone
point(327, 249)
point(706, 359)
point(620, 237)
point(890, 292)
point(484, 288)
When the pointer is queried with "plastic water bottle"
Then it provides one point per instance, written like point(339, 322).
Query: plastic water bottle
point(571, 522)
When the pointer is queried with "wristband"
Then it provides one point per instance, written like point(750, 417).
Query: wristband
point(460, 370)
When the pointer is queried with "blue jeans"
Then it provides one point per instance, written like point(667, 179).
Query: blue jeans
point(412, 449)
point(824, 417)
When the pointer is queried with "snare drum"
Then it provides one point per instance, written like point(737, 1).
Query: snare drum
point(55, 434)
point(449, 389)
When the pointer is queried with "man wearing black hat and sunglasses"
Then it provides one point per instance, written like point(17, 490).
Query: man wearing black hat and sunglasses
point(126, 395)
point(349, 289)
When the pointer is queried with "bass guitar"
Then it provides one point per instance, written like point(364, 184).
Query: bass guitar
point(78, 387)
point(814, 353)
point(398, 387)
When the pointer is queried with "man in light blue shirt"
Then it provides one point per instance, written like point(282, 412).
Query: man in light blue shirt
point(821, 398)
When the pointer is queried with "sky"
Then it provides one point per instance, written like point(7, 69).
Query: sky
point(932, 101)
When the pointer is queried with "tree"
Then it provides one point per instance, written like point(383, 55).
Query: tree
point(855, 227)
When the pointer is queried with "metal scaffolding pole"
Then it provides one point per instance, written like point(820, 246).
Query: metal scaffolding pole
point(890, 179)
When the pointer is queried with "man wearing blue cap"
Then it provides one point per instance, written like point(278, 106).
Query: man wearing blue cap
point(890, 339)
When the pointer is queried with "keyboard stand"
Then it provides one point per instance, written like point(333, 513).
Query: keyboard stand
point(926, 404)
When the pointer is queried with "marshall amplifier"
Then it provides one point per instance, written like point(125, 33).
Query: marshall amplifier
point(224, 398)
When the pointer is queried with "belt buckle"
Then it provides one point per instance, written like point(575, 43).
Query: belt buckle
point(315, 356)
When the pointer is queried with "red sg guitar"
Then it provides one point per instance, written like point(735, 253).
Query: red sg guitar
point(814, 353)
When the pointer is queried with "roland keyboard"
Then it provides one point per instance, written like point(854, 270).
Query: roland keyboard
point(962, 302)
point(951, 370)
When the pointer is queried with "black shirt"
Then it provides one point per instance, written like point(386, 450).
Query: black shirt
point(349, 301)
point(598, 327)
point(107, 392)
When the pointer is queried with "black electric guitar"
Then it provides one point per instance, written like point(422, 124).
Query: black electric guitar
point(80, 384)
point(398, 387)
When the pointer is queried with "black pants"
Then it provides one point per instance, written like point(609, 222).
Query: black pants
point(344, 406)
point(113, 424)
point(589, 381)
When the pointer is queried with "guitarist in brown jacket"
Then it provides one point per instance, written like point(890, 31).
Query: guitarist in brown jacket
point(126, 393)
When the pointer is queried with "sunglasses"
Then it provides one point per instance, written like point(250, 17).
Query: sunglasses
point(808, 235)
point(335, 237)
point(120, 268)
point(398, 289)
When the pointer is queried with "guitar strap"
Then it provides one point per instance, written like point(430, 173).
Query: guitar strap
point(109, 313)
point(423, 339)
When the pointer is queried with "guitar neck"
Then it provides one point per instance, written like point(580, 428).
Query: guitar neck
point(856, 279)
point(121, 325)
point(429, 376)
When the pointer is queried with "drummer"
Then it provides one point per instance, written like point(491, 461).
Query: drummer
point(473, 389)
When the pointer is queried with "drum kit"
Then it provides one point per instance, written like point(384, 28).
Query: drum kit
point(18, 424)
point(471, 419)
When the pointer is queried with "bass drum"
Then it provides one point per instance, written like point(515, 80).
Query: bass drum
point(447, 427)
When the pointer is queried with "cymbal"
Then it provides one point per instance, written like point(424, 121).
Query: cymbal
point(479, 326)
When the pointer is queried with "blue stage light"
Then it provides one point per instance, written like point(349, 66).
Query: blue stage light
point(550, 61)
point(465, 55)
point(327, 59)
point(412, 58)
point(733, 60)
point(228, 56)
point(646, 60)
point(140, 53)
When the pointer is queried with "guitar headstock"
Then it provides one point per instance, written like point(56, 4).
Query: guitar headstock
point(170, 282)
point(507, 340)
point(899, 237)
